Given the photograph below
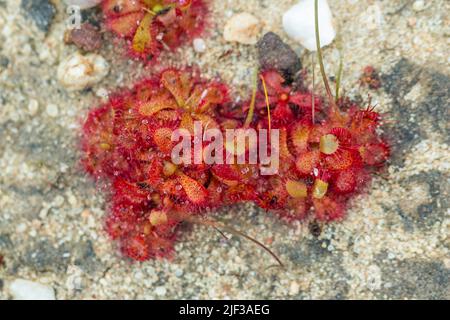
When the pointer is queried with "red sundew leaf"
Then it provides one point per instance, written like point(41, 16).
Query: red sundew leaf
point(340, 160)
point(282, 114)
point(306, 162)
point(207, 121)
point(126, 26)
point(304, 101)
point(143, 38)
point(166, 231)
point(212, 96)
point(136, 248)
point(163, 140)
point(170, 188)
point(154, 172)
point(364, 122)
point(129, 192)
point(160, 101)
point(122, 219)
point(178, 84)
point(328, 209)
point(300, 137)
point(345, 182)
point(374, 154)
point(144, 90)
point(227, 174)
point(161, 246)
point(215, 191)
point(187, 122)
point(98, 141)
point(285, 154)
point(194, 101)
point(343, 135)
point(195, 192)
point(240, 193)
point(294, 210)
point(276, 198)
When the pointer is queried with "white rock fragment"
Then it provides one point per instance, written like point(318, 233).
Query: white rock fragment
point(243, 28)
point(103, 94)
point(83, 4)
point(52, 110)
point(21, 289)
point(418, 5)
point(294, 289)
point(79, 72)
point(33, 107)
point(160, 291)
point(199, 45)
point(299, 24)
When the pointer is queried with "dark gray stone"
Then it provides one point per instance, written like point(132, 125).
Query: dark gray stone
point(308, 253)
point(5, 242)
point(41, 12)
point(85, 257)
point(432, 212)
point(43, 256)
point(405, 132)
point(412, 124)
point(437, 103)
point(413, 279)
point(273, 53)
point(4, 62)
point(340, 290)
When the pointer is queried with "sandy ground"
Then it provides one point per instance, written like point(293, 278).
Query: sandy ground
point(394, 243)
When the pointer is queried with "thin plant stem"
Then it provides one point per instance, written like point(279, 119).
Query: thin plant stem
point(221, 225)
point(266, 94)
point(319, 51)
point(313, 100)
point(339, 77)
point(251, 110)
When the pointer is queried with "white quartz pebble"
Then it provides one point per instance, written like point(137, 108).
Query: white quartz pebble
point(79, 72)
point(299, 24)
point(243, 28)
point(199, 45)
point(21, 289)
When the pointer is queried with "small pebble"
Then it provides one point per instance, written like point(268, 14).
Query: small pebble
point(160, 291)
point(21, 228)
point(243, 28)
point(4, 62)
point(273, 53)
point(294, 289)
point(419, 5)
point(79, 72)
point(21, 289)
point(87, 37)
point(58, 201)
point(179, 273)
point(52, 110)
point(41, 12)
point(33, 107)
point(199, 45)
